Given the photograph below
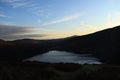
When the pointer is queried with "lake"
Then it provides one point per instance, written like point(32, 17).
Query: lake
point(65, 57)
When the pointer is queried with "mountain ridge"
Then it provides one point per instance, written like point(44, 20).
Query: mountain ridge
point(102, 44)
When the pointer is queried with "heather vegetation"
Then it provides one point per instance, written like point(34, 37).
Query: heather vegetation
point(57, 71)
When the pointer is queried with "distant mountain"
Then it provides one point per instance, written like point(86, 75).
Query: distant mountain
point(2, 42)
point(5, 43)
point(26, 41)
point(103, 44)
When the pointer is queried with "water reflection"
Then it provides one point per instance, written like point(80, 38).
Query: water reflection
point(65, 57)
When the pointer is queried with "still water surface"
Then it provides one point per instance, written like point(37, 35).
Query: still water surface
point(65, 57)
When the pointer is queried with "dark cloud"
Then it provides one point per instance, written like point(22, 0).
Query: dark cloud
point(18, 32)
point(31, 36)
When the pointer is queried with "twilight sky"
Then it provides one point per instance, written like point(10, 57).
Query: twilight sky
point(47, 19)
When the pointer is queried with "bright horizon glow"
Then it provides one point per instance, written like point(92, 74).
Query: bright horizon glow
point(50, 19)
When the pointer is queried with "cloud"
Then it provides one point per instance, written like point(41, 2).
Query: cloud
point(7, 23)
point(3, 15)
point(11, 0)
point(111, 20)
point(85, 28)
point(32, 36)
point(18, 32)
point(31, 6)
point(112, 2)
point(108, 20)
point(64, 19)
point(39, 21)
point(19, 3)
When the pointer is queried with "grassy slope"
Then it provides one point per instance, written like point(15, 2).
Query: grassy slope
point(60, 71)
